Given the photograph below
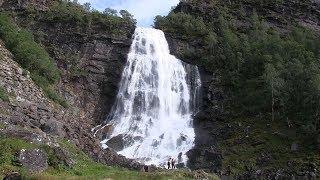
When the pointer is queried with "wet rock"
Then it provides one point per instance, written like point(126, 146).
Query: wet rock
point(117, 143)
point(204, 159)
point(13, 176)
point(104, 132)
point(110, 157)
point(225, 177)
point(180, 165)
point(34, 160)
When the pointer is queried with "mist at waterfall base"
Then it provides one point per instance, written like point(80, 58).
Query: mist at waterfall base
point(158, 95)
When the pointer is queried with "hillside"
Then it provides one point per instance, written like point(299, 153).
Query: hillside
point(259, 61)
point(58, 64)
point(259, 64)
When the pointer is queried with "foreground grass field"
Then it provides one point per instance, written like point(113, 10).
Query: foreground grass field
point(84, 168)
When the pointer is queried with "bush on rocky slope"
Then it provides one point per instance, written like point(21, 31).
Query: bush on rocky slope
point(31, 56)
point(3, 94)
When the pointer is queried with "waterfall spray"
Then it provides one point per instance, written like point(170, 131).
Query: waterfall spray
point(151, 119)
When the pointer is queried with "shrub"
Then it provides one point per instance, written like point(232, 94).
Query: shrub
point(31, 56)
point(3, 94)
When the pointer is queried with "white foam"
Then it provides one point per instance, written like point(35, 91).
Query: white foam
point(155, 102)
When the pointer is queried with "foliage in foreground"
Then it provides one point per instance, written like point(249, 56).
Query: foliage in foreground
point(84, 168)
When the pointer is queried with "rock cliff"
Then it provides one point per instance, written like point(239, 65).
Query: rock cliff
point(90, 60)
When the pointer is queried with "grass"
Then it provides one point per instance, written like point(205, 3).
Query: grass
point(9, 148)
point(2, 125)
point(274, 141)
point(3, 94)
point(84, 168)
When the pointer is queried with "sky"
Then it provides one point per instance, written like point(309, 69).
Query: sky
point(143, 10)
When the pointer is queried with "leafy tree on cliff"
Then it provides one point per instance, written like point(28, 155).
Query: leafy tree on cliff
point(110, 12)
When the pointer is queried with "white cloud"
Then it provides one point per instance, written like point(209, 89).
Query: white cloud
point(143, 10)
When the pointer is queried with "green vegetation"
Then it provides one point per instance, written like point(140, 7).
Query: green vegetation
point(31, 56)
point(8, 150)
point(2, 125)
point(267, 69)
point(3, 94)
point(263, 70)
point(85, 18)
point(80, 18)
point(84, 168)
point(268, 146)
point(188, 26)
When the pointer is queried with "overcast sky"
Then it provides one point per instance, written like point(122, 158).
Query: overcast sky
point(143, 10)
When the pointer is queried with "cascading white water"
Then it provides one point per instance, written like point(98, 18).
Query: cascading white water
point(152, 115)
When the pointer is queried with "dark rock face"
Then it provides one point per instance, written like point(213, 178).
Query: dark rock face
point(90, 82)
point(34, 160)
point(117, 143)
point(91, 62)
point(51, 126)
point(13, 176)
point(206, 159)
point(206, 122)
point(109, 156)
point(104, 132)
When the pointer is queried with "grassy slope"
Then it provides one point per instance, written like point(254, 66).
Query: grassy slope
point(85, 168)
point(268, 139)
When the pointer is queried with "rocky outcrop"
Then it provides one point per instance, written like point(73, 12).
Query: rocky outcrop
point(207, 120)
point(34, 160)
point(109, 156)
point(63, 156)
point(91, 62)
point(28, 106)
point(29, 115)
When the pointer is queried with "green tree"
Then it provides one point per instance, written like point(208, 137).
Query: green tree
point(110, 12)
point(275, 82)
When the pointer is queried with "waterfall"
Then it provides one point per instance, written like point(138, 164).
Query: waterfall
point(151, 119)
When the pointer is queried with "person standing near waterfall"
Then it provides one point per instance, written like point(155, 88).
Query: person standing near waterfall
point(169, 163)
point(173, 163)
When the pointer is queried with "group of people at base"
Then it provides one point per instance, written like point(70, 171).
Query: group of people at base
point(171, 163)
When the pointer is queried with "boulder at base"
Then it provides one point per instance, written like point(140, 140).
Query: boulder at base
point(34, 160)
